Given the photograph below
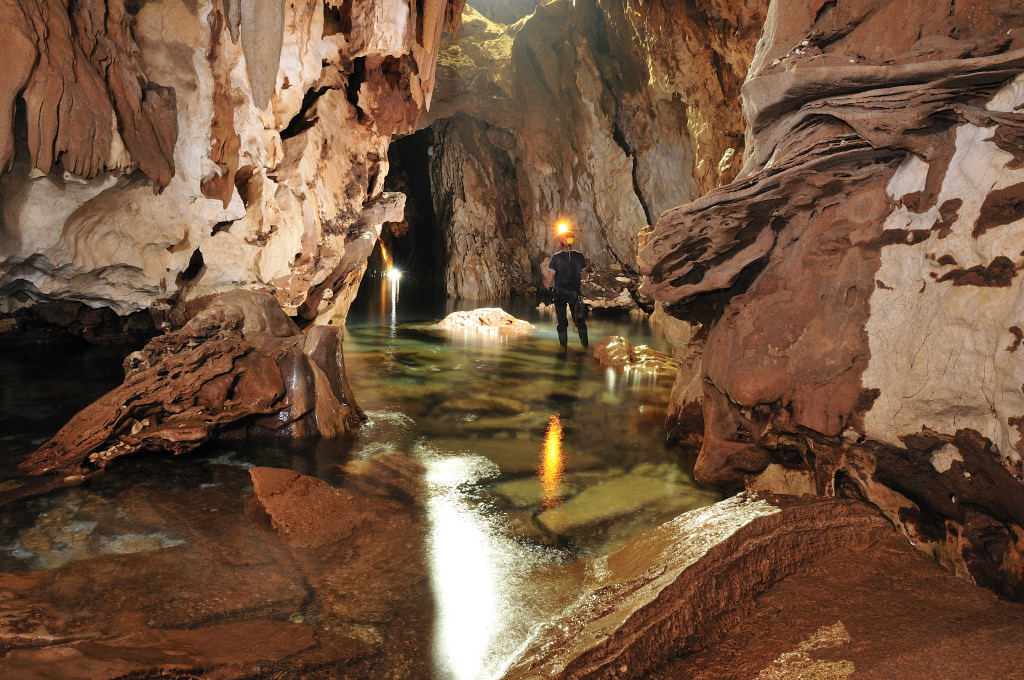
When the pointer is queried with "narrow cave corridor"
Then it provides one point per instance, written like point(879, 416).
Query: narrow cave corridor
point(416, 244)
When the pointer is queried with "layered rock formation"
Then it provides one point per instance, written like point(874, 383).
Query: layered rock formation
point(240, 364)
point(747, 589)
point(866, 261)
point(259, 134)
point(605, 114)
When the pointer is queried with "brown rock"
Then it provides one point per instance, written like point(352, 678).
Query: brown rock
point(824, 622)
point(785, 587)
point(858, 162)
point(305, 511)
point(76, 66)
point(221, 647)
point(229, 598)
point(362, 555)
point(240, 357)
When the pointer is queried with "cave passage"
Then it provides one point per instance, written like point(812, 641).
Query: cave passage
point(415, 245)
point(507, 501)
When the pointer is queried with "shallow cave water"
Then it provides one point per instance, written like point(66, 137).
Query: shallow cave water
point(531, 463)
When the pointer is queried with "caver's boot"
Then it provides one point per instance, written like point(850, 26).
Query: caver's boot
point(583, 337)
point(563, 341)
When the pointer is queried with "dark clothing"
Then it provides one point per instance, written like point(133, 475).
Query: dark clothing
point(567, 298)
point(568, 266)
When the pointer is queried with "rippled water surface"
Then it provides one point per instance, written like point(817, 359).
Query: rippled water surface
point(531, 460)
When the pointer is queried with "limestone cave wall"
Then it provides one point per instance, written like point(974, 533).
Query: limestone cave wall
point(861, 275)
point(605, 113)
point(159, 152)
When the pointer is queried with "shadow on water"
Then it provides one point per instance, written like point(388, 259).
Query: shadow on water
point(529, 462)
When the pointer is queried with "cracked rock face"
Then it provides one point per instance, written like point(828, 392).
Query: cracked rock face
point(604, 115)
point(867, 262)
point(257, 134)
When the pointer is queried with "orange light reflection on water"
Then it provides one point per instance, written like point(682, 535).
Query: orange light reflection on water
point(551, 466)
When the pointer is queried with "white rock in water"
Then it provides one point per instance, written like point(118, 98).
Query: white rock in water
point(486, 318)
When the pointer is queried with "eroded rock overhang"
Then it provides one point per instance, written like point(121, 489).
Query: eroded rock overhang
point(167, 151)
point(862, 274)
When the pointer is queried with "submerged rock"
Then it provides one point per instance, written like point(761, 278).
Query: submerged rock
point(486, 319)
point(617, 352)
point(531, 492)
point(361, 554)
point(230, 649)
point(343, 590)
point(620, 498)
point(239, 364)
point(306, 512)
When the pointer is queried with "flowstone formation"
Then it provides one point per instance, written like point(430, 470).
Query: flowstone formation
point(747, 588)
point(240, 365)
point(604, 113)
point(867, 263)
point(155, 153)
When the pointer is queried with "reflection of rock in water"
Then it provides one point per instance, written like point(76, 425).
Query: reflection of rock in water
point(339, 586)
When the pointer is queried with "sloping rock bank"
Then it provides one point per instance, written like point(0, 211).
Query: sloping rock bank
point(768, 587)
point(240, 364)
point(863, 274)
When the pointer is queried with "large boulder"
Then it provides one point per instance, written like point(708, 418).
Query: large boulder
point(240, 364)
point(867, 263)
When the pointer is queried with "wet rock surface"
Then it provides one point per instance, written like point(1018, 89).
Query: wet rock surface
point(234, 596)
point(772, 588)
point(863, 307)
point(618, 352)
point(241, 364)
point(825, 622)
point(485, 319)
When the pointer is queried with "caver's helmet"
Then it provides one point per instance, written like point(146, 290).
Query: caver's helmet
point(565, 234)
